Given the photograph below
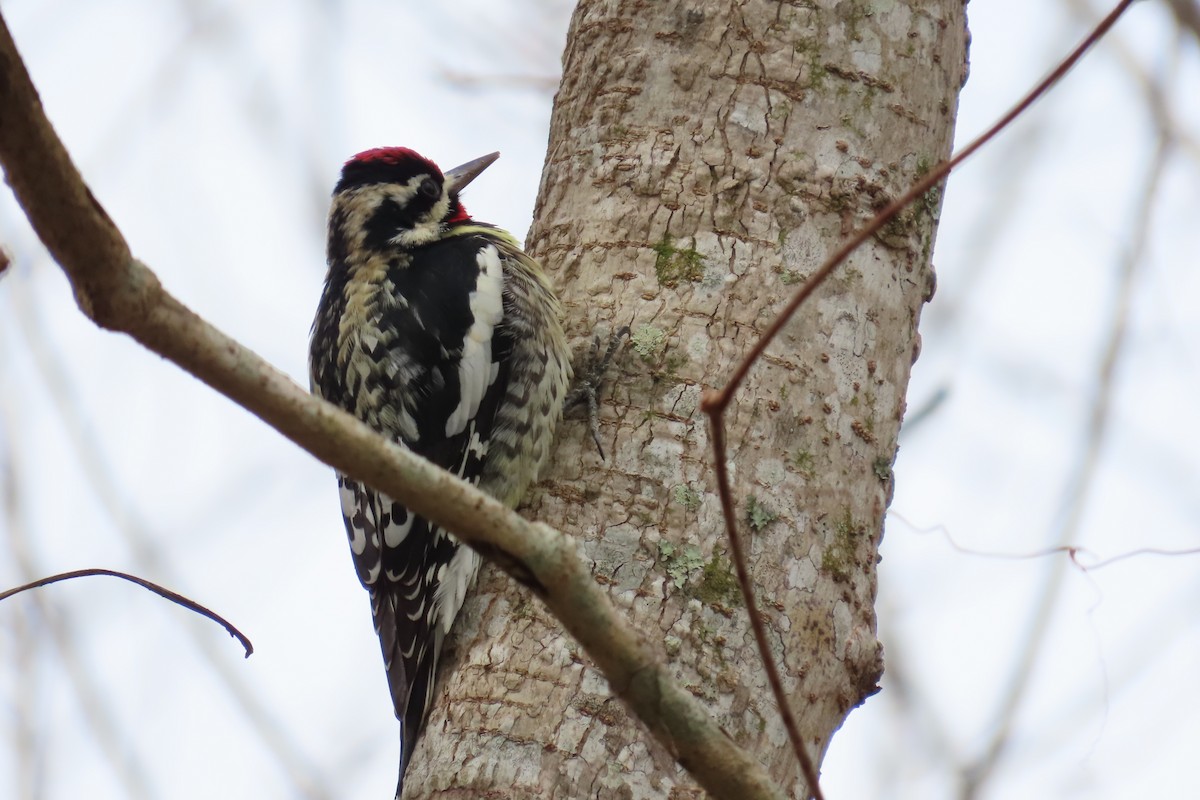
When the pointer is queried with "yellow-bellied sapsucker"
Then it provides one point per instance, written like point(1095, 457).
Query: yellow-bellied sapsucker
point(439, 332)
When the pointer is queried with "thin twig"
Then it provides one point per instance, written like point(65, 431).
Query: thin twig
point(1138, 553)
point(715, 402)
point(161, 591)
point(717, 427)
point(1075, 553)
point(756, 621)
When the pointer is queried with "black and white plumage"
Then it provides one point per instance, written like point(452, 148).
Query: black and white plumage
point(439, 332)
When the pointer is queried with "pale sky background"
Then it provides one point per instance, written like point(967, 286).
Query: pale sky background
point(213, 131)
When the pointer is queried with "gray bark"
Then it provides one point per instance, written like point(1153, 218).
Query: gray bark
point(703, 160)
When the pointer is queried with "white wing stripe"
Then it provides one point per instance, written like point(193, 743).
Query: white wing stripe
point(475, 369)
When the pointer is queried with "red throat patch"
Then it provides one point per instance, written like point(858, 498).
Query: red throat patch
point(459, 214)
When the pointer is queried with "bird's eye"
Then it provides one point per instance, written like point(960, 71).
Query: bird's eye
point(429, 188)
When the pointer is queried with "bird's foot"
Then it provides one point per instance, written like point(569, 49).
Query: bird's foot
point(589, 380)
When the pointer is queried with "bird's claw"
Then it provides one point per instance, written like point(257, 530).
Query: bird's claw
point(590, 380)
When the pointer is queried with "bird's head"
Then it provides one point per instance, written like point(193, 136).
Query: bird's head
point(392, 197)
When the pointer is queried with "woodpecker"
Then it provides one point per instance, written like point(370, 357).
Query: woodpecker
point(442, 334)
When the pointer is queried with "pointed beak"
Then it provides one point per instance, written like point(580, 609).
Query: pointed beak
point(460, 176)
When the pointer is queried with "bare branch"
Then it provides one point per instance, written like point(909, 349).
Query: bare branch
point(120, 293)
point(161, 591)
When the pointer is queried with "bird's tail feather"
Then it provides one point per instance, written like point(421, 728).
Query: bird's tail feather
point(411, 660)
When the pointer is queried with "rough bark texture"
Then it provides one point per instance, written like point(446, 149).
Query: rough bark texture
point(703, 159)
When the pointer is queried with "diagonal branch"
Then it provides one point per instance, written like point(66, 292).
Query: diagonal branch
point(120, 293)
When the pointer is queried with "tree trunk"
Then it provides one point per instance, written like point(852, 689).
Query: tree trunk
point(704, 158)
